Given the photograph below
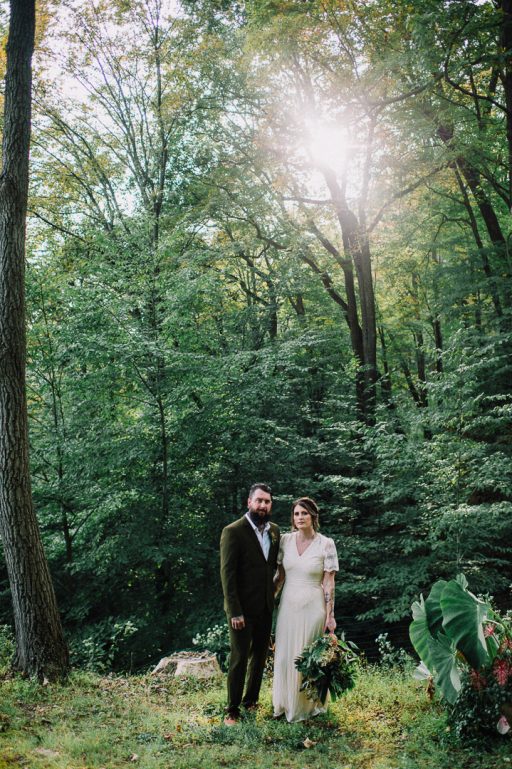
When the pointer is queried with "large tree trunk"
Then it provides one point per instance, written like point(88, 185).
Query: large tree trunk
point(357, 249)
point(41, 649)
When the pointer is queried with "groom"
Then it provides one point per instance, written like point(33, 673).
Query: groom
point(248, 561)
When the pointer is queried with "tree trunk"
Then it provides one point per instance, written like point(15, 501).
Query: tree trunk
point(506, 45)
point(357, 249)
point(385, 380)
point(41, 649)
point(419, 342)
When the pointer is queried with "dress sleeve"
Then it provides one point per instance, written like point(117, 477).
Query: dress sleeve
point(280, 554)
point(330, 556)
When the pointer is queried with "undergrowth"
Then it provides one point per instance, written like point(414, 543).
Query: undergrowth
point(96, 722)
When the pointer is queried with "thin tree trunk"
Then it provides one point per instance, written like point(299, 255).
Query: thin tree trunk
point(506, 45)
point(438, 338)
point(481, 249)
point(419, 343)
point(385, 379)
point(41, 649)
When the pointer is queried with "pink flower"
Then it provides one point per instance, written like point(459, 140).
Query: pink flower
point(505, 644)
point(478, 681)
point(502, 669)
point(488, 630)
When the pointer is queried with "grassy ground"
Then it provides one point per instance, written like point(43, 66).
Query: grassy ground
point(386, 722)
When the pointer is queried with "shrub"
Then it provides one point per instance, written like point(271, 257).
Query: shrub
point(466, 649)
point(98, 646)
point(7, 648)
point(215, 639)
point(390, 656)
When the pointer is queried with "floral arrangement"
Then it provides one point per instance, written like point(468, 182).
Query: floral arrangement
point(328, 664)
point(465, 647)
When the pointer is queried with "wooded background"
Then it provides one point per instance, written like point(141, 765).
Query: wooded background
point(267, 241)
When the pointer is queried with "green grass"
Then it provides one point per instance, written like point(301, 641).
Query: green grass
point(386, 722)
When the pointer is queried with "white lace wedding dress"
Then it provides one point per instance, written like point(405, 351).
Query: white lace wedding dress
point(300, 620)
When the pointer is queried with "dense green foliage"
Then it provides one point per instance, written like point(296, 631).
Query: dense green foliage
point(204, 312)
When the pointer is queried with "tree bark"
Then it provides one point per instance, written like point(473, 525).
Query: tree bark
point(40, 646)
point(506, 45)
point(357, 248)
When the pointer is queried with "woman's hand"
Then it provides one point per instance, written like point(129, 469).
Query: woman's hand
point(330, 624)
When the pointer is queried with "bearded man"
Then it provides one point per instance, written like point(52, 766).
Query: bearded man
point(248, 562)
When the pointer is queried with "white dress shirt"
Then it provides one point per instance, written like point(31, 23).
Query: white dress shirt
point(263, 536)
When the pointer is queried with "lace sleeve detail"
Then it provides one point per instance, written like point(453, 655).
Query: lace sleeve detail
point(280, 554)
point(330, 556)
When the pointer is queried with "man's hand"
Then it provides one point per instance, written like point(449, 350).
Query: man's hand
point(237, 623)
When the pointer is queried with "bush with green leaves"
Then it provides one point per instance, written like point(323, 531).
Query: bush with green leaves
point(7, 647)
point(465, 647)
point(215, 639)
point(98, 646)
point(390, 656)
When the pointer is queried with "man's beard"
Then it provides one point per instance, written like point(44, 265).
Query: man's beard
point(257, 519)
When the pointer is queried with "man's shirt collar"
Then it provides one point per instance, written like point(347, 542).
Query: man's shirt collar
point(265, 529)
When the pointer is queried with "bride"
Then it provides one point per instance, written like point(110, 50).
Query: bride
point(307, 563)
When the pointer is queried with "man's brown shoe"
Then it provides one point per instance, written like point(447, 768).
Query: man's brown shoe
point(230, 720)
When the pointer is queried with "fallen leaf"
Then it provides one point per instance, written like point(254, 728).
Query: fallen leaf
point(167, 736)
point(134, 757)
point(309, 743)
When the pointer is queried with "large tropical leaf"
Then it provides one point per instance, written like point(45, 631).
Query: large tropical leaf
point(419, 633)
point(438, 654)
point(461, 579)
point(445, 668)
point(463, 618)
point(421, 672)
point(433, 608)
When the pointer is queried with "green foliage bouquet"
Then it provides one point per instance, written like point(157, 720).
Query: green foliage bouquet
point(328, 664)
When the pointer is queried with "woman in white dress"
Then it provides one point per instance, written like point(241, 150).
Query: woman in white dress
point(307, 563)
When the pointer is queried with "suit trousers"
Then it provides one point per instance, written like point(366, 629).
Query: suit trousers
point(249, 649)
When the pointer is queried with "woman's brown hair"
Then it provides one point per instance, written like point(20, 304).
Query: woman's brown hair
point(310, 505)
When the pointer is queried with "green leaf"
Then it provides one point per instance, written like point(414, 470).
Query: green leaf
point(445, 668)
point(463, 618)
point(433, 608)
point(420, 635)
point(438, 654)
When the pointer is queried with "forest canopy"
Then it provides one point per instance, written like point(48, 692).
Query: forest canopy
point(267, 241)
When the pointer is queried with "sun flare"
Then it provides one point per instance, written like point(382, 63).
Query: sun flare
point(329, 144)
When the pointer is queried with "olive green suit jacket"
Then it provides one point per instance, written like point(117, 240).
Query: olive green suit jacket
point(247, 577)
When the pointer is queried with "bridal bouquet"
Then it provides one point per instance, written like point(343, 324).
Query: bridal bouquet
point(327, 665)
